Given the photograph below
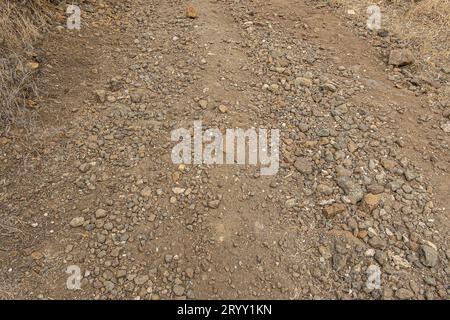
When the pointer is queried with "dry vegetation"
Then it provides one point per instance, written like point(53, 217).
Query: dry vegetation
point(21, 24)
point(424, 25)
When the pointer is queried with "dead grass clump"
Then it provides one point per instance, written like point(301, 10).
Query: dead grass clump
point(21, 24)
point(427, 25)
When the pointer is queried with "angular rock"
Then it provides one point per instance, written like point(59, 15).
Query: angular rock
point(101, 95)
point(428, 256)
point(401, 57)
point(350, 188)
point(213, 204)
point(370, 202)
point(303, 165)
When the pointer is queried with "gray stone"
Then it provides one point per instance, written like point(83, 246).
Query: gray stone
point(428, 256)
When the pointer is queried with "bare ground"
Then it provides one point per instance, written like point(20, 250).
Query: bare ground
point(349, 124)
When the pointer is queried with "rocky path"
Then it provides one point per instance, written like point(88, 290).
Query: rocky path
point(361, 186)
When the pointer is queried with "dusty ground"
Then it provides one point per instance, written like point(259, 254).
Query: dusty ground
point(363, 179)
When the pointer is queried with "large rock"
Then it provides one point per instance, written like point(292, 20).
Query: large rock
point(428, 256)
point(401, 57)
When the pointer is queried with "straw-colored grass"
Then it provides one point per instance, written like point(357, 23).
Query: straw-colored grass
point(21, 24)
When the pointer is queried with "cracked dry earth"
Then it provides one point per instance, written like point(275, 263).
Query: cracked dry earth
point(363, 179)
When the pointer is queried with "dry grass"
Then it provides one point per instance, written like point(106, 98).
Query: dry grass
point(426, 26)
point(21, 23)
point(423, 25)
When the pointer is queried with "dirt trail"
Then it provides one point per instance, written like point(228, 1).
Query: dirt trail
point(356, 186)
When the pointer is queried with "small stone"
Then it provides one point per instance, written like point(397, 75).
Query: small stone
point(274, 87)
point(77, 222)
point(203, 104)
point(401, 57)
point(446, 127)
point(404, 294)
point(146, 192)
point(101, 95)
point(303, 165)
point(84, 167)
point(377, 243)
point(168, 258)
point(190, 272)
point(178, 190)
point(191, 12)
point(213, 204)
point(36, 255)
point(373, 272)
point(121, 273)
point(388, 164)
point(223, 109)
point(325, 252)
point(334, 209)
point(400, 262)
point(370, 202)
point(324, 189)
point(100, 213)
point(178, 290)
point(375, 188)
point(109, 286)
point(140, 280)
point(136, 96)
point(32, 65)
point(409, 175)
point(300, 81)
point(350, 188)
